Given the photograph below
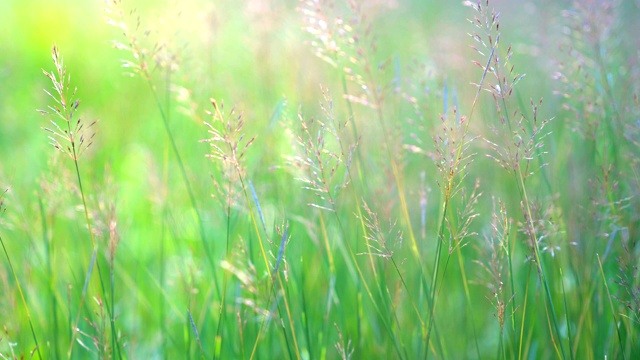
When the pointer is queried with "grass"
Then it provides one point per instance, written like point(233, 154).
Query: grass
point(284, 180)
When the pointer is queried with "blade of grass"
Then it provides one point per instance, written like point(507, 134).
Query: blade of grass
point(613, 312)
point(15, 278)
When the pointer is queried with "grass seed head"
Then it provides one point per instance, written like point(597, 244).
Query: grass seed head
point(70, 134)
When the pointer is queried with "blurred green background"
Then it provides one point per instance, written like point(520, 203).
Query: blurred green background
point(249, 52)
point(253, 55)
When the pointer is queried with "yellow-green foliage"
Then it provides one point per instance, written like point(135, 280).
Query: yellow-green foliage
point(319, 179)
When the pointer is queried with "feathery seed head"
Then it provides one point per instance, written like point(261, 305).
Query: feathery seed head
point(69, 135)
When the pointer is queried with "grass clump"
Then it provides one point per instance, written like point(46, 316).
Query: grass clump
point(361, 199)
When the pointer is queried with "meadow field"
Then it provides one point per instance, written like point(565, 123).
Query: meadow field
point(284, 179)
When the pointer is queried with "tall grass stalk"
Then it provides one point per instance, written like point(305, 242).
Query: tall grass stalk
point(140, 66)
point(52, 278)
point(315, 15)
point(15, 278)
point(348, 46)
point(72, 137)
point(228, 145)
point(515, 157)
point(613, 312)
point(451, 176)
point(320, 165)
